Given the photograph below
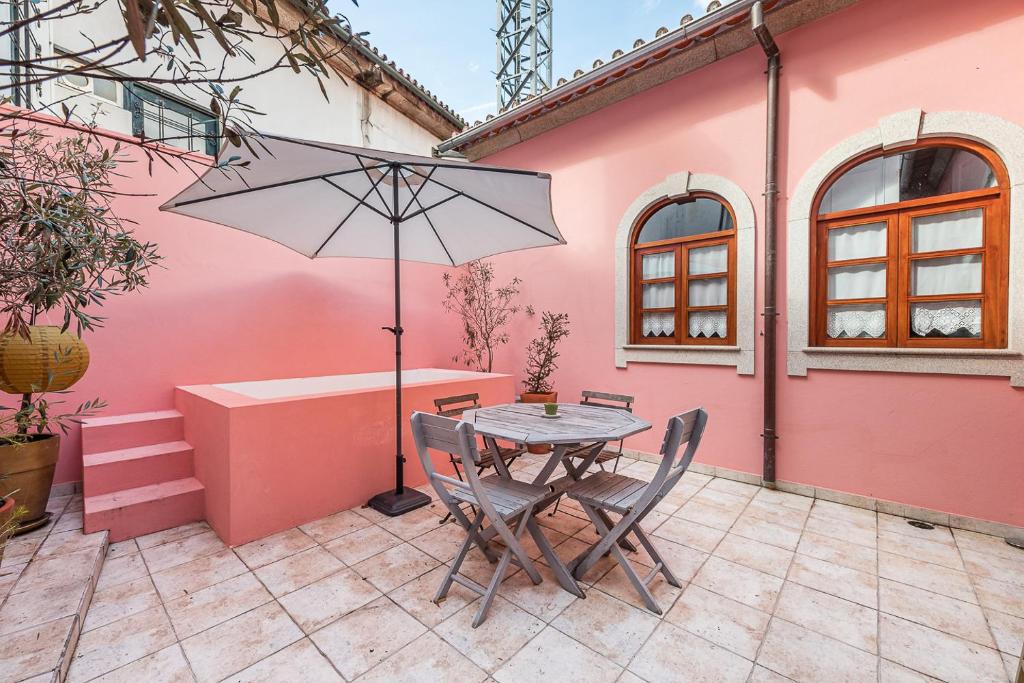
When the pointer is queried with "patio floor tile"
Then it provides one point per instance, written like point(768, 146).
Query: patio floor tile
point(163, 666)
point(982, 543)
point(442, 543)
point(900, 525)
point(938, 654)
point(769, 559)
point(838, 551)
point(749, 525)
point(116, 602)
point(617, 584)
point(842, 582)
point(491, 644)
point(554, 656)
point(859, 532)
point(216, 604)
point(724, 622)
point(942, 613)
point(196, 575)
point(411, 524)
point(828, 615)
point(1008, 632)
point(302, 569)
point(891, 672)
point(743, 584)
point(367, 636)
point(183, 550)
point(671, 654)
point(803, 655)
point(847, 513)
point(707, 514)
point(794, 518)
point(544, 601)
point(40, 605)
point(416, 597)
point(114, 645)
point(932, 577)
point(34, 650)
point(391, 568)
point(64, 542)
point(323, 601)
point(239, 643)
point(282, 666)
point(121, 569)
point(59, 570)
point(170, 535)
point(1000, 596)
point(942, 554)
point(685, 532)
point(273, 548)
point(122, 549)
point(359, 545)
point(428, 658)
point(335, 526)
point(1008, 569)
point(607, 625)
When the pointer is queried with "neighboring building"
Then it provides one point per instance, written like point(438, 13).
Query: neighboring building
point(901, 243)
point(378, 105)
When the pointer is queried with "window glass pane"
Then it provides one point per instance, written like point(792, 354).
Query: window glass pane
point(693, 217)
point(856, 321)
point(956, 319)
point(918, 173)
point(659, 265)
point(708, 260)
point(708, 325)
point(105, 89)
point(856, 282)
point(662, 295)
point(658, 324)
point(942, 231)
point(948, 275)
point(857, 241)
point(708, 292)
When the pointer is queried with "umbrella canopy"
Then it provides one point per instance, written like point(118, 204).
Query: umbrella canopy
point(324, 200)
point(327, 200)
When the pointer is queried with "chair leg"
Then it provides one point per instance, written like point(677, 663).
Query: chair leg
point(514, 548)
point(655, 555)
point(446, 583)
point(557, 501)
point(557, 568)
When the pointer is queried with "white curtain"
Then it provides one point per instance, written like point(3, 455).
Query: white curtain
point(658, 324)
point(865, 321)
point(708, 260)
point(708, 324)
point(947, 275)
point(959, 318)
point(661, 295)
point(857, 241)
point(662, 264)
point(708, 292)
point(942, 231)
point(856, 282)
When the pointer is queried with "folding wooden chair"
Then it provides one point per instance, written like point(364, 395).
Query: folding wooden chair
point(454, 406)
point(633, 499)
point(506, 504)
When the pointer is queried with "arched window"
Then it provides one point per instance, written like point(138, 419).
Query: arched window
point(910, 249)
point(683, 273)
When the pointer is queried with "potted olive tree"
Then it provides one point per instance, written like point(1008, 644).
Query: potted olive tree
point(63, 252)
point(541, 355)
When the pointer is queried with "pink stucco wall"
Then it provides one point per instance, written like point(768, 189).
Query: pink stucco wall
point(941, 442)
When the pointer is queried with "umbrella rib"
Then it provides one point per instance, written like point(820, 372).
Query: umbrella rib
point(362, 200)
point(415, 198)
point(359, 202)
point(417, 192)
point(383, 201)
point(424, 209)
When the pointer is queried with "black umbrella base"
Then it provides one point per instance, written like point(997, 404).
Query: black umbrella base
point(393, 504)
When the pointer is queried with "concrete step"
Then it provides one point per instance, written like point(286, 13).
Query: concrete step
point(118, 432)
point(128, 468)
point(145, 509)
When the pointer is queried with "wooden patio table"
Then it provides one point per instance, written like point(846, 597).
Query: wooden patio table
point(575, 425)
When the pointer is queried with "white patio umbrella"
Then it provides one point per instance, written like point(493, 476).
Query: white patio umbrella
point(324, 200)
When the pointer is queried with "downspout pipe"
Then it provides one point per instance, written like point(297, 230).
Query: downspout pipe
point(771, 202)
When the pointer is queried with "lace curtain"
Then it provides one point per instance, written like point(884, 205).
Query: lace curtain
point(658, 324)
point(708, 324)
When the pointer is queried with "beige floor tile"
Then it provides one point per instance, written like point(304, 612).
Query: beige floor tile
point(544, 601)
point(763, 675)
point(901, 525)
point(828, 615)
point(276, 547)
point(123, 600)
point(121, 569)
point(607, 625)
point(723, 499)
point(114, 645)
point(411, 524)
point(198, 574)
point(997, 595)
point(743, 584)
point(709, 515)
point(416, 597)
point(442, 543)
point(782, 515)
point(369, 635)
point(671, 651)
point(736, 488)
point(183, 550)
point(335, 526)
point(216, 604)
point(843, 582)
point(803, 655)
point(563, 522)
point(122, 549)
point(570, 548)
point(690, 534)
point(1008, 631)
point(301, 569)
point(938, 654)
point(554, 656)
point(1013, 666)
point(987, 566)
point(769, 559)
point(171, 535)
point(62, 543)
point(37, 606)
point(838, 551)
point(684, 561)
point(861, 533)
point(163, 666)
point(845, 513)
point(983, 543)
point(790, 500)
point(618, 585)
point(390, 569)
point(239, 643)
point(654, 519)
point(506, 629)
point(428, 658)
point(751, 526)
point(35, 650)
point(286, 664)
point(891, 672)
point(74, 568)
point(20, 549)
point(359, 545)
point(918, 549)
point(959, 618)
point(727, 623)
point(323, 601)
point(932, 577)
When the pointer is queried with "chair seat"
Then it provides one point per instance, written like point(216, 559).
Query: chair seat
point(582, 451)
point(508, 454)
point(609, 491)
point(509, 497)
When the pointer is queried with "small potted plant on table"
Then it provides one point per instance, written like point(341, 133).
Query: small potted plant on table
point(541, 355)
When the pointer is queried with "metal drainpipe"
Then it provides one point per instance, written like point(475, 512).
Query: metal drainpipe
point(771, 201)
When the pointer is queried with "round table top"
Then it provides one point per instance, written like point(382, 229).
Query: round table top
point(525, 423)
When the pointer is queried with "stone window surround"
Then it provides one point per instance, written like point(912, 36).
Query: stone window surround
point(741, 355)
point(905, 128)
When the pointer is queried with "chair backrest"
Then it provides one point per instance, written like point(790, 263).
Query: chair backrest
point(454, 406)
point(685, 428)
point(603, 400)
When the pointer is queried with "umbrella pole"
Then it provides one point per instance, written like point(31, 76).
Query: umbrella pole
point(401, 500)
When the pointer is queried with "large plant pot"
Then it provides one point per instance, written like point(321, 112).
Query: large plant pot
point(29, 468)
point(535, 397)
point(6, 510)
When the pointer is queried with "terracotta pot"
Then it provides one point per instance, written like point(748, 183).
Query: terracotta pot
point(6, 510)
point(49, 360)
point(29, 468)
point(535, 397)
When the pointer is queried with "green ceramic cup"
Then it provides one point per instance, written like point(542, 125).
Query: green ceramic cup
point(551, 409)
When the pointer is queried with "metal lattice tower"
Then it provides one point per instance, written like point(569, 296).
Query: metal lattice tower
point(524, 50)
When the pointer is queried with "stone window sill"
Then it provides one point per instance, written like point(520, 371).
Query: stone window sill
point(711, 354)
point(974, 362)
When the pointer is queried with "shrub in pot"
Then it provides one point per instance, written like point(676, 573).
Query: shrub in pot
point(63, 252)
point(541, 355)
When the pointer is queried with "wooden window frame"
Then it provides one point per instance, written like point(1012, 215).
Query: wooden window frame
point(899, 259)
point(681, 246)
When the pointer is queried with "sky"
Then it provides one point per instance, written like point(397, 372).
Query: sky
point(448, 45)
